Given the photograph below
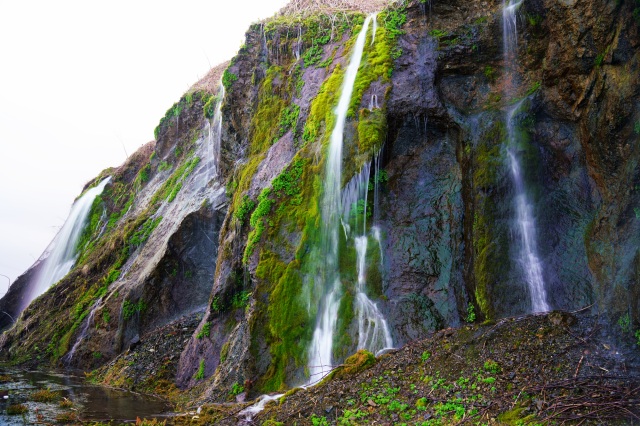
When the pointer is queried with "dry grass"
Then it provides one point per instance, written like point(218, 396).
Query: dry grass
point(45, 395)
point(305, 7)
point(210, 83)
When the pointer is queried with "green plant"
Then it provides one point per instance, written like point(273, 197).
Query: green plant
point(129, 308)
point(534, 88)
point(312, 55)
point(319, 421)
point(288, 119)
point(106, 316)
point(637, 337)
point(209, 108)
point(236, 389)
point(600, 59)
point(216, 305)
point(204, 332)
point(625, 322)
point(200, 373)
point(436, 33)
point(425, 356)
point(97, 355)
point(240, 300)
point(393, 22)
point(491, 366)
point(228, 78)
point(636, 127)
point(471, 314)
point(245, 207)
point(490, 73)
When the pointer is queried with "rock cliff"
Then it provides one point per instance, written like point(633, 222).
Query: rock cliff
point(225, 223)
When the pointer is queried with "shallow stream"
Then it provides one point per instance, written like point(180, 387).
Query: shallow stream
point(88, 402)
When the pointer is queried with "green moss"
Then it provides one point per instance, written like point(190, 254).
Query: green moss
point(517, 417)
point(321, 116)
point(228, 78)
point(246, 206)
point(142, 234)
point(490, 246)
point(265, 122)
point(488, 156)
point(172, 186)
point(343, 343)
point(90, 230)
point(372, 130)
point(129, 309)
point(377, 59)
point(209, 108)
point(289, 322)
point(200, 373)
point(204, 332)
point(288, 119)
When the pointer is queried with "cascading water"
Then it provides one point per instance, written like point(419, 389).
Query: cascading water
point(375, 28)
point(373, 331)
point(525, 229)
point(63, 251)
point(328, 277)
point(83, 333)
point(215, 134)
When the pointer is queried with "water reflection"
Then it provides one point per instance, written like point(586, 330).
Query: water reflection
point(91, 402)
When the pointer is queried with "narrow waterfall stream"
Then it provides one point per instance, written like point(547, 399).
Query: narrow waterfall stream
point(529, 259)
point(63, 251)
point(320, 358)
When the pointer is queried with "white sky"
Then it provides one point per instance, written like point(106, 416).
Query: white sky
point(80, 79)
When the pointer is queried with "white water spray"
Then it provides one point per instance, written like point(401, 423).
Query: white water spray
point(374, 18)
point(215, 135)
point(63, 251)
point(529, 260)
point(254, 409)
point(373, 330)
point(320, 351)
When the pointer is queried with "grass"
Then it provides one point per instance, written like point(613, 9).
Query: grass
point(45, 395)
point(17, 409)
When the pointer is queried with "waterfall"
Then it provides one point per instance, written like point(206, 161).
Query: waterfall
point(248, 413)
point(320, 358)
point(373, 103)
point(298, 44)
point(83, 333)
point(215, 135)
point(374, 18)
point(63, 250)
point(529, 260)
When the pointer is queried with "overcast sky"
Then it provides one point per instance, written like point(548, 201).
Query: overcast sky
point(81, 82)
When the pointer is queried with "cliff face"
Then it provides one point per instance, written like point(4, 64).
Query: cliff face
point(235, 235)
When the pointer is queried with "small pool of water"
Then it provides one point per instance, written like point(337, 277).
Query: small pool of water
point(90, 402)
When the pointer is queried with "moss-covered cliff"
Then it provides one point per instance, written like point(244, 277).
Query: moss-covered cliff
point(238, 245)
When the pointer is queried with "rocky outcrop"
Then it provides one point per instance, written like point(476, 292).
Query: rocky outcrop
point(240, 245)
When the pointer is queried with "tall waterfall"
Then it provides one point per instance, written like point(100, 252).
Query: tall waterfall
point(213, 127)
point(63, 252)
point(526, 229)
point(320, 351)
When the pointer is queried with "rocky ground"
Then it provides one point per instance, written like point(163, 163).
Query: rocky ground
point(149, 365)
point(556, 368)
point(542, 369)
